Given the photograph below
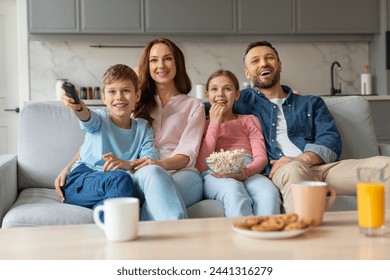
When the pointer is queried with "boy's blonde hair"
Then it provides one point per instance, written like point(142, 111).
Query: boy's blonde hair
point(119, 72)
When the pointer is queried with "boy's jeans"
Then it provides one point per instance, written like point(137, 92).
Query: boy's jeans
point(88, 188)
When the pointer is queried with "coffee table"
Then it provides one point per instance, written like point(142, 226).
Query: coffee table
point(198, 239)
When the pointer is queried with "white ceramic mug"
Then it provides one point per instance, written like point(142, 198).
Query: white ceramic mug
point(310, 199)
point(121, 217)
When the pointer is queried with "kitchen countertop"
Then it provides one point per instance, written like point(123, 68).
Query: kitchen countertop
point(368, 97)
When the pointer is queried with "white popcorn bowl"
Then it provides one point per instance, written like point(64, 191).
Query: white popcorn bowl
point(224, 165)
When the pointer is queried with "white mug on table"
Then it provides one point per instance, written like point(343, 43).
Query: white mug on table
point(121, 218)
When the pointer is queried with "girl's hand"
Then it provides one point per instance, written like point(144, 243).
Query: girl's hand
point(216, 113)
point(240, 175)
point(114, 163)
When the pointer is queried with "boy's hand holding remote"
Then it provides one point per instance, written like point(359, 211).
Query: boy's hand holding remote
point(71, 100)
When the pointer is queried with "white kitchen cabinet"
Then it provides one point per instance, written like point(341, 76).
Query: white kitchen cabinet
point(188, 16)
point(110, 17)
point(53, 16)
point(338, 16)
point(266, 17)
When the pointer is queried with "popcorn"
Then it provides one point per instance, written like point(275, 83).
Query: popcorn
point(225, 162)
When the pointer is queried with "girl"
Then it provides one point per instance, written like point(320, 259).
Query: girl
point(246, 192)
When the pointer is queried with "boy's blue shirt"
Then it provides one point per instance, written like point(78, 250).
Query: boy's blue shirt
point(103, 136)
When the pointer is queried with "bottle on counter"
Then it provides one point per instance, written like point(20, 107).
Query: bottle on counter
point(89, 93)
point(96, 93)
point(83, 93)
point(365, 82)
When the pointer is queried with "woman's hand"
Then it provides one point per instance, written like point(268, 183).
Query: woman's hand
point(141, 162)
point(59, 182)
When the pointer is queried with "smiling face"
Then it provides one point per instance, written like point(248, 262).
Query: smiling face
point(221, 90)
point(162, 65)
point(263, 67)
point(120, 97)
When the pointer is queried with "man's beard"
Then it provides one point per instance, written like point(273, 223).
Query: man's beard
point(268, 83)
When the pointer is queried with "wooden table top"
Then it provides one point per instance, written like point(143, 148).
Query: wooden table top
point(198, 239)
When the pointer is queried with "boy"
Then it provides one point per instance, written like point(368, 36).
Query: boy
point(113, 139)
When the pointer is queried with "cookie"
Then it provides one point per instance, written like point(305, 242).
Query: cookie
point(273, 224)
point(255, 220)
point(295, 226)
point(241, 225)
point(308, 221)
point(290, 218)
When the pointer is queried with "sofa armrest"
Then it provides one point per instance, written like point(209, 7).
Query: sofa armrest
point(384, 149)
point(8, 183)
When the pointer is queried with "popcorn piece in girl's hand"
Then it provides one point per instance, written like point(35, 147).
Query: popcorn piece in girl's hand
point(226, 162)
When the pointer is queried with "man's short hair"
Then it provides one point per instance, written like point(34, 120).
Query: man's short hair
point(260, 44)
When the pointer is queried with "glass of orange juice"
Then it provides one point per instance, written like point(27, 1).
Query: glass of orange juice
point(371, 201)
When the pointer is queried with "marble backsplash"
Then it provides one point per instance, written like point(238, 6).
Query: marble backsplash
point(305, 66)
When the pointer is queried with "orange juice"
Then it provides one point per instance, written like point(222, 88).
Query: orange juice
point(371, 204)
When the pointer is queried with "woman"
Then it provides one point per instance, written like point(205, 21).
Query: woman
point(177, 120)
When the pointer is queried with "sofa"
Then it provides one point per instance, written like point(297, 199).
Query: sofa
point(50, 136)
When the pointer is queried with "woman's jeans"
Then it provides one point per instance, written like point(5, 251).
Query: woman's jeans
point(166, 196)
point(257, 195)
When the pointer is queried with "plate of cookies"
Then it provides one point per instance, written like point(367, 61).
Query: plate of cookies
point(273, 227)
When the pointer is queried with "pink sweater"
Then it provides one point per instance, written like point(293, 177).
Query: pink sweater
point(242, 133)
point(178, 127)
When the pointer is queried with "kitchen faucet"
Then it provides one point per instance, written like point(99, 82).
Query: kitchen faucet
point(333, 90)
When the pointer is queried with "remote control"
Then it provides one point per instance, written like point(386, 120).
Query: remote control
point(70, 91)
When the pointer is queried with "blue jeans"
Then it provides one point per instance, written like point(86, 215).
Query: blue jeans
point(189, 184)
point(255, 196)
point(89, 188)
point(162, 199)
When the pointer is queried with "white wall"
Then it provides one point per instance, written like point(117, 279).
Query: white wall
point(306, 66)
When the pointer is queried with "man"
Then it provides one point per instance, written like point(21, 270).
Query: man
point(302, 140)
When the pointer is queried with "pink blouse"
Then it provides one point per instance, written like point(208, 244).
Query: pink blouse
point(178, 127)
point(242, 133)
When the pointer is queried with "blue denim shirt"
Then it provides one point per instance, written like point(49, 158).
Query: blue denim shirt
point(310, 126)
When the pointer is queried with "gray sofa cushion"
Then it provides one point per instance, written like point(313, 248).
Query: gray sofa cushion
point(40, 207)
point(49, 138)
point(353, 119)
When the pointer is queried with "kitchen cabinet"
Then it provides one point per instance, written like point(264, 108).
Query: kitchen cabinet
point(265, 17)
point(204, 17)
point(53, 16)
point(110, 17)
point(188, 16)
point(338, 16)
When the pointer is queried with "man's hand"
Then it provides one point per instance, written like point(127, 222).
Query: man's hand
point(309, 158)
point(276, 164)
